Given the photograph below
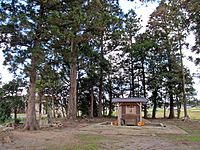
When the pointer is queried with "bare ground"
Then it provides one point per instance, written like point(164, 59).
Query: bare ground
point(171, 137)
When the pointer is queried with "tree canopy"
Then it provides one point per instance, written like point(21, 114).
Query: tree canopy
point(79, 55)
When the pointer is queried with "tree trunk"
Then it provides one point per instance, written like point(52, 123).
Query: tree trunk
point(15, 115)
point(78, 85)
point(92, 103)
point(171, 104)
point(40, 94)
point(63, 112)
point(138, 81)
point(65, 107)
point(53, 106)
point(178, 104)
point(72, 110)
point(31, 122)
point(110, 97)
point(100, 94)
point(164, 113)
point(100, 108)
point(155, 93)
point(171, 99)
point(183, 83)
point(144, 89)
point(104, 107)
point(132, 79)
point(132, 70)
point(49, 110)
point(164, 110)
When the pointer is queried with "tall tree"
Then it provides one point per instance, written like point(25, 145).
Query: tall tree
point(23, 33)
point(131, 28)
point(160, 25)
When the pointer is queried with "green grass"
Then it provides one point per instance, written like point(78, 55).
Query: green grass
point(185, 138)
point(90, 138)
point(85, 142)
point(89, 141)
point(193, 135)
point(91, 146)
point(190, 138)
point(74, 147)
point(194, 113)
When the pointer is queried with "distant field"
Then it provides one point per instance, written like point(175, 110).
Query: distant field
point(194, 113)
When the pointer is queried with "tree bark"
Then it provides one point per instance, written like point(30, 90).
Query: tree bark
point(183, 82)
point(49, 110)
point(72, 110)
point(92, 103)
point(110, 97)
point(40, 95)
point(100, 94)
point(31, 122)
point(15, 114)
point(171, 104)
point(164, 113)
point(178, 104)
point(100, 108)
point(53, 106)
point(144, 88)
point(132, 79)
point(171, 99)
point(155, 93)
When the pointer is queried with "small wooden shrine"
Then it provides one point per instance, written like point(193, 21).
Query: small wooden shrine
point(129, 110)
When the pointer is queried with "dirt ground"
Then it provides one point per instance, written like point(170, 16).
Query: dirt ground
point(149, 137)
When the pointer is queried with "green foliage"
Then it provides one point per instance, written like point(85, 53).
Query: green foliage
point(169, 33)
point(5, 110)
point(44, 38)
point(10, 100)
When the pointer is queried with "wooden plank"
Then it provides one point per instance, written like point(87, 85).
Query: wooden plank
point(129, 104)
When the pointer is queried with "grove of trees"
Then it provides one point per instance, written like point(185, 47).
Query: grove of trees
point(85, 53)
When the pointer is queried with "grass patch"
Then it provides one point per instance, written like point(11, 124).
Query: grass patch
point(92, 146)
point(189, 138)
point(194, 135)
point(89, 141)
point(90, 138)
point(74, 147)
point(192, 131)
point(193, 113)
point(85, 142)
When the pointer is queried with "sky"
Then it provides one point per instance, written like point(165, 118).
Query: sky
point(143, 10)
point(6, 76)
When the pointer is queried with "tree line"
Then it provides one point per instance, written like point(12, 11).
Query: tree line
point(84, 53)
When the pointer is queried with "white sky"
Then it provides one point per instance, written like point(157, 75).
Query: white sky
point(6, 76)
point(143, 12)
